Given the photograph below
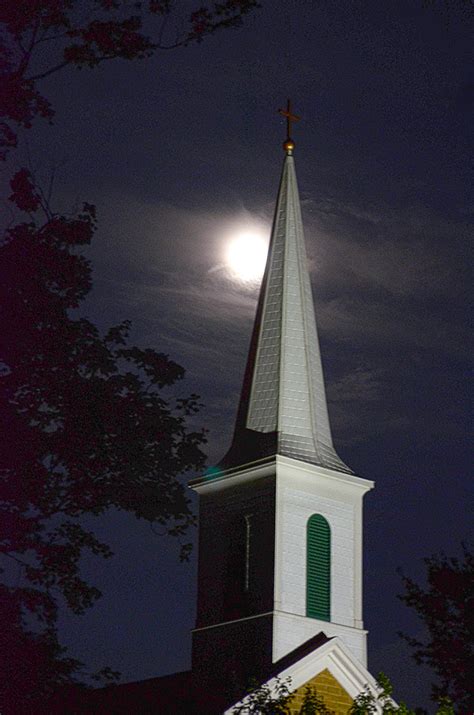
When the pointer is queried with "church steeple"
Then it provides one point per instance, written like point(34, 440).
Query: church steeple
point(283, 406)
point(280, 520)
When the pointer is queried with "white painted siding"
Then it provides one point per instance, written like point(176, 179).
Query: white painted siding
point(297, 507)
point(303, 490)
point(281, 497)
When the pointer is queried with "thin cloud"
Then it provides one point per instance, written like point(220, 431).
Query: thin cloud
point(380, 277)
point(359, 385)
point(403, 252)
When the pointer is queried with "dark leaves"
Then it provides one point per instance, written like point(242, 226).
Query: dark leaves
point(23, 192)
point(446, 608)
point(86, 424)
point(8, 139)
point(22, 102)
point(114, 34)
point(108, 39)
point(160, 370)
point(41, 657)
point(84, 419)
point(18, 17)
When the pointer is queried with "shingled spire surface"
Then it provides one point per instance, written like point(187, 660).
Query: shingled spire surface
point(283, 406)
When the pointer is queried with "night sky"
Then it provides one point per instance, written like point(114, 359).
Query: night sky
point(180, 153)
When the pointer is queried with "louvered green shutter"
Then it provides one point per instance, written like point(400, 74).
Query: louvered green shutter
point(318, 568)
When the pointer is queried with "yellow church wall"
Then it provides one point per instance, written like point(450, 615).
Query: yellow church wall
point(327, 687)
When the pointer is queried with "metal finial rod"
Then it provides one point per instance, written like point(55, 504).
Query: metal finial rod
point(289, 144)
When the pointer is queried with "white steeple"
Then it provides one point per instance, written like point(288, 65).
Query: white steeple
point(280, 519)
point(283, 406)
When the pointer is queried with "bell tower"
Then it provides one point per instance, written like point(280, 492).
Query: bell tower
point(280, 523)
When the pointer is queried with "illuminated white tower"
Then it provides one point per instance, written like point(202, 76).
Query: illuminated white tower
point(280, 525)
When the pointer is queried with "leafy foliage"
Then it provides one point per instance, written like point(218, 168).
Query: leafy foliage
point(61, 33)
point(313, 704)
point(86, 424)
point(367, 702)
point(87, 420)
point(446, 607)
point(264, 700)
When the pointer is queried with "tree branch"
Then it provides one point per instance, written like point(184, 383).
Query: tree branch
point(42, 75)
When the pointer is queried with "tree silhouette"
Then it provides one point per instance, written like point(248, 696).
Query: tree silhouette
point(279, 700)
point(85, 34)
point(446, 607)
point(88, 421)
point(264, 699)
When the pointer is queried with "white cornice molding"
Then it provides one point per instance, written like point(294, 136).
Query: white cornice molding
point(263, 468)
point(324, 473)
point(322, 624)
point(332, 656)
point(231, 477)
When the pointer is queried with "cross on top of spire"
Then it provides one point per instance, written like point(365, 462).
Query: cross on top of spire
point(289, 144)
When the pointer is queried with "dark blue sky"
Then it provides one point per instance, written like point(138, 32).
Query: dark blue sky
point(183, 149)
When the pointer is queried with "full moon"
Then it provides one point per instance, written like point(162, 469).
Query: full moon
point(246, 255)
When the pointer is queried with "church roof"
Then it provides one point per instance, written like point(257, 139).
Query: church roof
point(283, 407)
point(182, 693)
point(139, 696)
point(177, 693)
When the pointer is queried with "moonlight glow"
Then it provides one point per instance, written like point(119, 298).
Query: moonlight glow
point(246, 254)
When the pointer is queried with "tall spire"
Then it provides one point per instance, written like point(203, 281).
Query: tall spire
point(283, 406)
